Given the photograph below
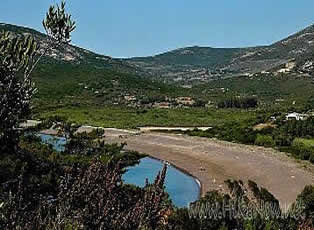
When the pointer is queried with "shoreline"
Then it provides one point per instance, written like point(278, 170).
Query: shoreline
point(145, 155)
point(197, 181)
point(210, 162)
point(182, 170)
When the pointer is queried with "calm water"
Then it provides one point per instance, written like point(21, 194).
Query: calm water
point(57, 143)
point(182, 188)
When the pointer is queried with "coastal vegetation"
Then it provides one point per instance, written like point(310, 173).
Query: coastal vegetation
point(121, 117)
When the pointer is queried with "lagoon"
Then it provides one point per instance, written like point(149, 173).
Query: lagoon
point(182, 188)
point(58, 143)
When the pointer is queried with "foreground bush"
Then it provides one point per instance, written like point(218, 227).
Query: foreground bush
point(91, 198)
point(245, 207)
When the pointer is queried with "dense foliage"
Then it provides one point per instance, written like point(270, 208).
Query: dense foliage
point(302, 128)
point(239, 102)
point(93, 198)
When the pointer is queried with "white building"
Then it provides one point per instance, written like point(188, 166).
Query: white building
point(296, 116)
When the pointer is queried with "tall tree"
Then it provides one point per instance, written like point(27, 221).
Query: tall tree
point(19, 55)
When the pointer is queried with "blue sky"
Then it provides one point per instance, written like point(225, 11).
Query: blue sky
point(122, 28)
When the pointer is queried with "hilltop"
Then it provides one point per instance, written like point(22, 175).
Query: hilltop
point(72, 54)
point(202, 64)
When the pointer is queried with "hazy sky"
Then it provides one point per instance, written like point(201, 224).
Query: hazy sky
point(125, 28)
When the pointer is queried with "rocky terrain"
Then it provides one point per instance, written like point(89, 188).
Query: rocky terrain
point(71, 54)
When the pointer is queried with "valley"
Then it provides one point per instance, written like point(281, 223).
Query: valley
point(237, 124)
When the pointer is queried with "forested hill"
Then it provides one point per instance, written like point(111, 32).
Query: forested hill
point(72, 76)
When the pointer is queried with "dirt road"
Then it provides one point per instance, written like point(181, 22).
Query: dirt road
point(213, 161)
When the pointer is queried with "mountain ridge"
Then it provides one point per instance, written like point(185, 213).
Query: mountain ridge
point(74, 77)
point(71, 53)
point(196, 63)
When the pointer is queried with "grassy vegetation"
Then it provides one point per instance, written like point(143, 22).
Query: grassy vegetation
point(85, 95)
point(264, 140)
point(66, 85)
point(63, 87)
point(121, 117)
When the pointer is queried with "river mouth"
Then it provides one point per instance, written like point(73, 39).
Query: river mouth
point(181, 187)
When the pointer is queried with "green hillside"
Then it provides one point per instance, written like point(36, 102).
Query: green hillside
point(199, 64)
point(72, 76)
point(61, 85)
point(279, 91)
point(194, 56)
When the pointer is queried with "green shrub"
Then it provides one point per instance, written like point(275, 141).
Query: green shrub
point(283, 140)
point(303, 148)
point(264, 140)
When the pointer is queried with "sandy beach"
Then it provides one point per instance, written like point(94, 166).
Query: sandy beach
point(213, 161)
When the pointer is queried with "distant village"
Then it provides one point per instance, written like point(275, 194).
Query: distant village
point(166, 103)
